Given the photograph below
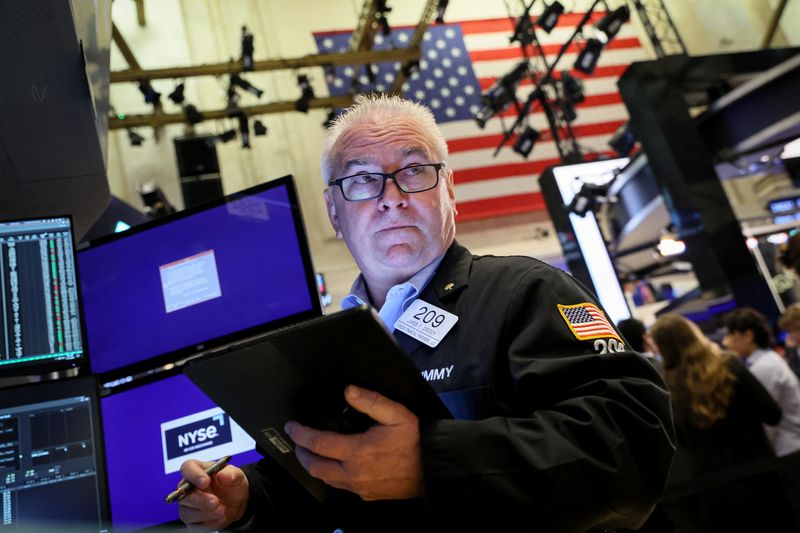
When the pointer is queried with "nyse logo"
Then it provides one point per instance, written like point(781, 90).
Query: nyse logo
point(197, 435)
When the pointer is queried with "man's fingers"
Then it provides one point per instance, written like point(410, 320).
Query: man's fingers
point(323, 443)
point(328, 470)
point(195, 473)
point(377, 406)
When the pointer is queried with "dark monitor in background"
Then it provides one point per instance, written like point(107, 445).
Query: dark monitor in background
point(52, 475)
point(198, 279)
point(149, 431)
point(51, 160)
point(40, 316)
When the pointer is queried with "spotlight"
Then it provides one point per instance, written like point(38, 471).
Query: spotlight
point(410, 68)
point(242, 83)
point(500, 94)
point(259, 128)
point(523, 32)
point(568, 113)
point(155, 201)
point(151, 96)
point(623, 140)
point(441, 7)
point(244, 130)
point(177, 94)
point(587, 59)
point(193, 116)
point(525, 141)
point(572, 88)
point(135, 138)
point(331, 118)
point(247, 49)
point(549, 17)
point(226, 136)
point(371, 76)
point(383, 22)
point(669, 244)
point(608, 26)
point(588, 198)
point(306, 94)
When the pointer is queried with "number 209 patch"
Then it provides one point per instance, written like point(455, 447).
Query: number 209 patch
point(426, 323)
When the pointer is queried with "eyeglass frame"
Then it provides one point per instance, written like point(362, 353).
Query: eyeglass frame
point(387, 176)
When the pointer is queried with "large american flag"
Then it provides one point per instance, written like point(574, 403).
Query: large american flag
point(461, 59)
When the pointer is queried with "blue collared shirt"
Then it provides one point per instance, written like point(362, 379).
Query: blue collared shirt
point(399, 296)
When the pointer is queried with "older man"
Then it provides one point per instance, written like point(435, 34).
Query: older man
point(557, 423)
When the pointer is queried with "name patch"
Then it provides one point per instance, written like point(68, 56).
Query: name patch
point(426, 323)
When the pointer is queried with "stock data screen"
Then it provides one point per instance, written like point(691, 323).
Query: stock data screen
point(51, 471)
point(40, 318)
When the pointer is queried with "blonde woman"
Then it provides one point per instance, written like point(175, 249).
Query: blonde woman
point(719, 410)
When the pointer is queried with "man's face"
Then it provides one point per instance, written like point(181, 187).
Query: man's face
point(740, 342)
point(793, 331)
point(395, 235)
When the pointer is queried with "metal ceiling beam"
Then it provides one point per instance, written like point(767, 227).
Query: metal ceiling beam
point(231, 67)
point(158, 120)
point(416, 43)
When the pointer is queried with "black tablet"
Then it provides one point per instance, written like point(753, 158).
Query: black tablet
point(299, 373)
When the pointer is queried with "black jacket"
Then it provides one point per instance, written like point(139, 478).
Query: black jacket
point(559, 433)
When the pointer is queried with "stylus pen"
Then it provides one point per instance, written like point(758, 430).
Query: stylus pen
point(186, 487)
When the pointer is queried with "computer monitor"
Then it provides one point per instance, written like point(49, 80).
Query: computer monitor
point(52, 475)
point(149, 431)
point(40, 316)
point(201, 278)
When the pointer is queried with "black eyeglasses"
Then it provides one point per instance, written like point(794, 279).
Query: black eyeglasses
point(369, 185)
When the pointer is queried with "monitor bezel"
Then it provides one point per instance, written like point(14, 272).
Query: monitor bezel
point(39, 368)
point(153, 363)
point(42, 391)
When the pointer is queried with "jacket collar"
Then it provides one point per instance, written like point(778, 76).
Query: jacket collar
point(450, 278)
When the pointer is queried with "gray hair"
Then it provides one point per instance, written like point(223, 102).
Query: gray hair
point(378, 108)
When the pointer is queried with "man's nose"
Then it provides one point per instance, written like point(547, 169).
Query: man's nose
point(392, 195)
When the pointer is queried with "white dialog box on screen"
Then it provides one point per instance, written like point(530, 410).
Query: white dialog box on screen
point(190, 281)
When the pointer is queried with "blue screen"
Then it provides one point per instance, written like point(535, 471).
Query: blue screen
point(149, 431)
point(195, 278)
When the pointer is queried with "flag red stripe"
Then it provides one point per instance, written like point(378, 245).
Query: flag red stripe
point(549, 49)
point(612, 71)
point(474, 27)
point(502, 206)
point(466, 144)
point(592, 100)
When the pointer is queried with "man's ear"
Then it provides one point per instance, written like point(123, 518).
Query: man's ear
point(451, 189)
point(330, 205)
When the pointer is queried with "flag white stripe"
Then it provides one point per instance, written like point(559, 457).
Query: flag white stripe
point(461, 129)
point(484, 157)
point(495, 188)
point(495, 68)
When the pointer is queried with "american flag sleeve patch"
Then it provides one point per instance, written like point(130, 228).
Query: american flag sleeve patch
point(587, 321)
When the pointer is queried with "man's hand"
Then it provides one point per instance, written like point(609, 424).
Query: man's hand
point(216, 501)
point(383, 463)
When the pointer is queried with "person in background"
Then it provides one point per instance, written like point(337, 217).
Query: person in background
point(636, 335)
point(790, 323)
point(557, 424)
point(748, 335)
point(720, 409)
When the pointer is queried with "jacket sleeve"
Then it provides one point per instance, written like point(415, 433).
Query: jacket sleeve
point(586, 439)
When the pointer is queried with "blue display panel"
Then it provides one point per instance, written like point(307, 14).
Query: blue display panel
point(149, 431)
point(202, 277)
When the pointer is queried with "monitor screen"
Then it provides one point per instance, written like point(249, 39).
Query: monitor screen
point(40, 317)
point(200, 278)
point(150, 430)
point(52, 474)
